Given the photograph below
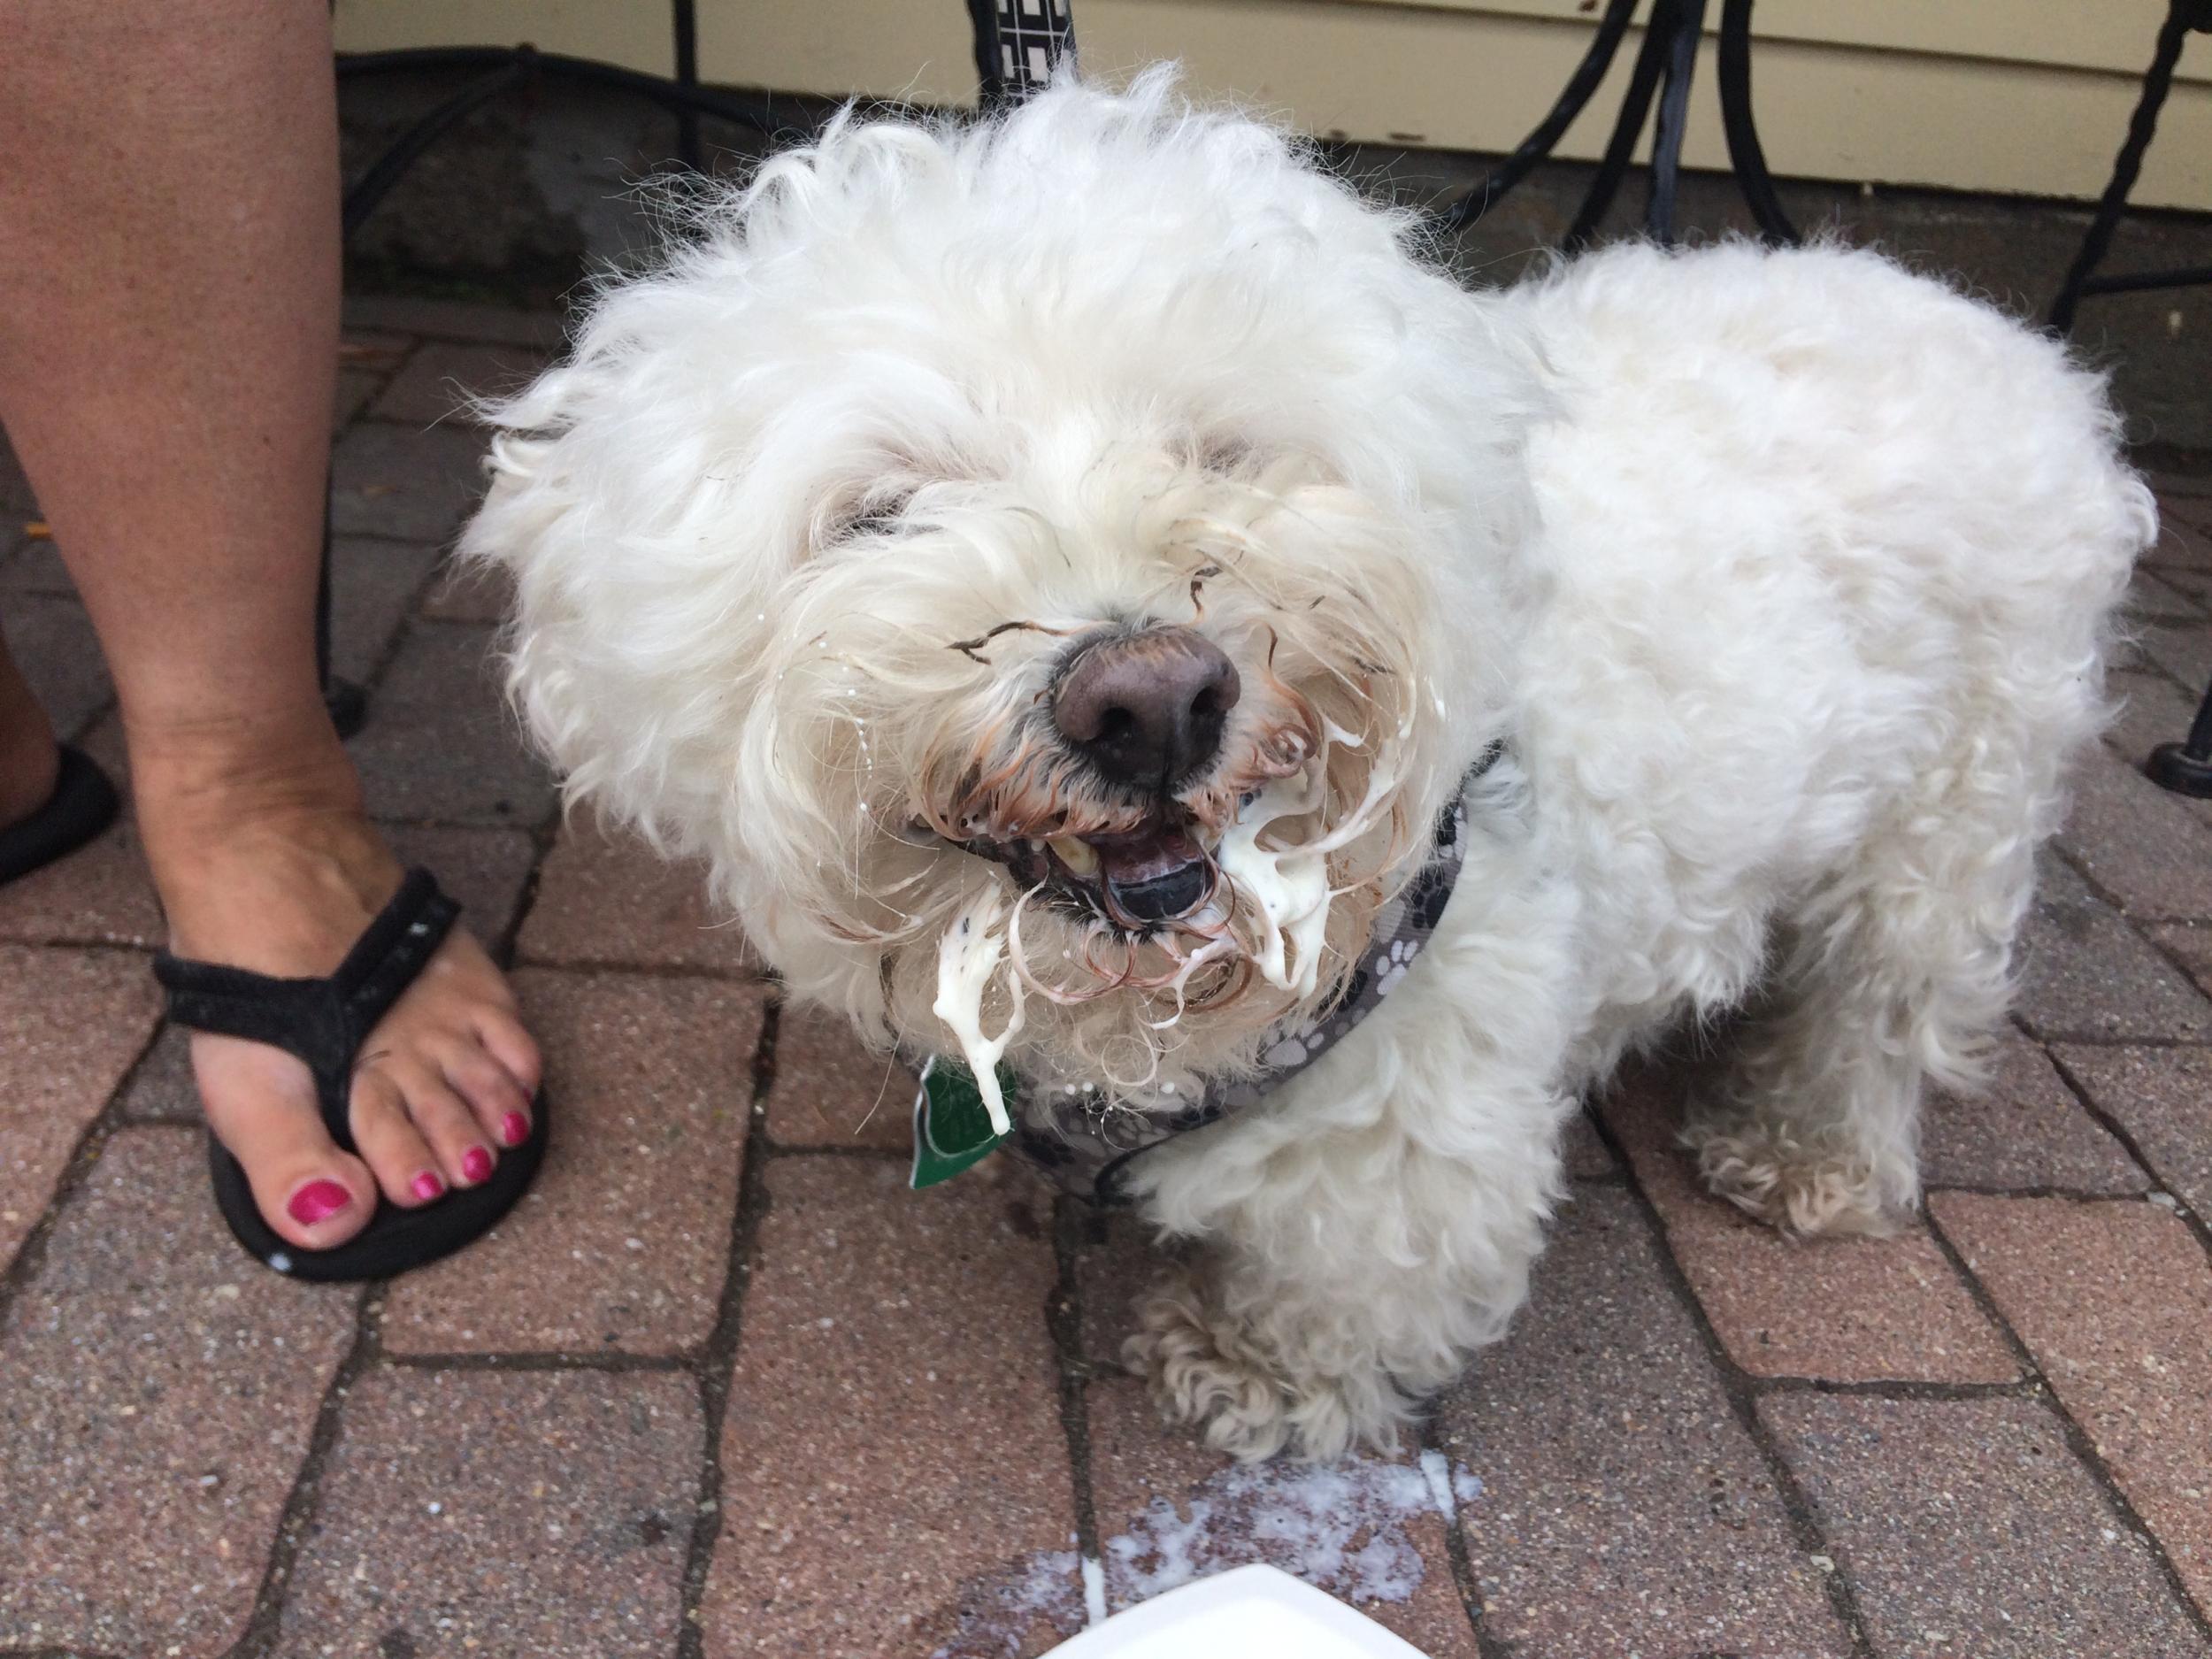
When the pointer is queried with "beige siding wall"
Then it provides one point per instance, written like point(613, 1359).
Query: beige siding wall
point(2028, 95)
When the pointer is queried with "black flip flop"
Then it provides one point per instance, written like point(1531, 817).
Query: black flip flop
point(323, 1022)
point(84, 803)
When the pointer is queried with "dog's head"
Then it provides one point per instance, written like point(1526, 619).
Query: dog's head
point(1002, 550)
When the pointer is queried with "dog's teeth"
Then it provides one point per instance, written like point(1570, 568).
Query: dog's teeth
point(1077, 854)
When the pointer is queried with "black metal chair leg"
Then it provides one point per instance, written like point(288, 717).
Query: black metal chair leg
point(1650, 63)
point(685, 19)
point(2127, 165)
point(2186, 767)
point(1581, 86)
point(1674, 108)
point(1745, 153)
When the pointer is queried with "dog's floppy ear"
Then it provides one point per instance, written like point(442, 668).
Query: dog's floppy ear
point(641, 534)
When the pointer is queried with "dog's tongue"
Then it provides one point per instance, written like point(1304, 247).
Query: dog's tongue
point(1153, 874)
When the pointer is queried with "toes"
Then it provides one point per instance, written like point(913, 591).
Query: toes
point(493, 1020)
point(394, 1150)
point(261, 1105)
point(439, 1115)
point(501, 1108)
point(501, 1036)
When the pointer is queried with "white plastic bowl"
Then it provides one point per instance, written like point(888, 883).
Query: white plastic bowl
point(1257, 1610)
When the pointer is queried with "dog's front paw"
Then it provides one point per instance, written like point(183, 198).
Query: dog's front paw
point(1206, 1371)
point(1800, 1188)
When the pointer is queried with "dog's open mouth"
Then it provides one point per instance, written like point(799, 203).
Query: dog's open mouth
point(1134, 879)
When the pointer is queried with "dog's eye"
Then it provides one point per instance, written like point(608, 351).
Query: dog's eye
point(877, 517)
point(1219, 453)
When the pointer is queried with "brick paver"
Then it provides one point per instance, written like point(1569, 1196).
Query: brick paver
point(100, 894)
point(440, 375)
point(623, 1244)
point(351, 394)
point(71, 1023)
point(472, 322)
point(161, 1086)
point(894, 1475)
point(372, 582)
point(1372, 1532)
point(2155, 597)
point(1584, 1155)
point(2025, 1129)
point(471, 593)
point(158, 1388)
point(31, 565)
point(608, 900)
point(2154, 711)
point(15, 488)
point(2162, 1098)
point(2140, 843)
point(404, 484)
point(439, 744)
point(539, 1514)
point(831, 1092)
point(1624, 1508)
point(2190, 944)
point(2084, 973)
point(2184, 650)
point(2114, 1301)
point(54, 645)
point(1852, 1309)
point(1969, 1531)
point(1111, 1276)
point(2193, 583)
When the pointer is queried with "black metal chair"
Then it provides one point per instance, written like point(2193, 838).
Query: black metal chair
point(2185, 767)
point(1019, 43)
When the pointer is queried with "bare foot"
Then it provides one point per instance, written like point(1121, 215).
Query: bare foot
point(277, 870)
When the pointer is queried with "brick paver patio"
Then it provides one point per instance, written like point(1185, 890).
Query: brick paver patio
point(722, 1387)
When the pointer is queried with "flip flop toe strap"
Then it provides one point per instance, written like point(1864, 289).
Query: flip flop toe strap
point(321, 1023)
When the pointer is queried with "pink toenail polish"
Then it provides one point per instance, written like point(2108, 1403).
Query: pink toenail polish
point(514, 1129)
point(318, 1201)
point(476, 1164)
point(428, 1186)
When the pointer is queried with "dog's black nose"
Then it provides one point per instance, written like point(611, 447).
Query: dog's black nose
point(1147, 708)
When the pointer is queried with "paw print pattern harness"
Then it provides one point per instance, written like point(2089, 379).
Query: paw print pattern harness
point(1085, 1149)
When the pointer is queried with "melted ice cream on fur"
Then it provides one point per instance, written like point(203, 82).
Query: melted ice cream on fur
point(1289, 886)
point(1286, 887)
point(967, 960)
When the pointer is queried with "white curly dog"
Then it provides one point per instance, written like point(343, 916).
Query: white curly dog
point(1061, 572)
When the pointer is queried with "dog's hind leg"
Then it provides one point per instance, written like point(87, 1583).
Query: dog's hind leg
point(1894, 972)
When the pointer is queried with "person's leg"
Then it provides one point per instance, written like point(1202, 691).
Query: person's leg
point(169, 275)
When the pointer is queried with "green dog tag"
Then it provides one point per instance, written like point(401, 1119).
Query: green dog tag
point(952, 1130)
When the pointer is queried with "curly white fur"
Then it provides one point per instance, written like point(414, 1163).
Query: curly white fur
point(1786, 576)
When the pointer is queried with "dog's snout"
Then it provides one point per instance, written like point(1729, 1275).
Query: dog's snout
point(1147, 709)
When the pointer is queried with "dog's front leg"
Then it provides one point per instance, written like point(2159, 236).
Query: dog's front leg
point(1349, 1267)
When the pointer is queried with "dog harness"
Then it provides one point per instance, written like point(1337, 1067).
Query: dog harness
point(1084, 1145)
